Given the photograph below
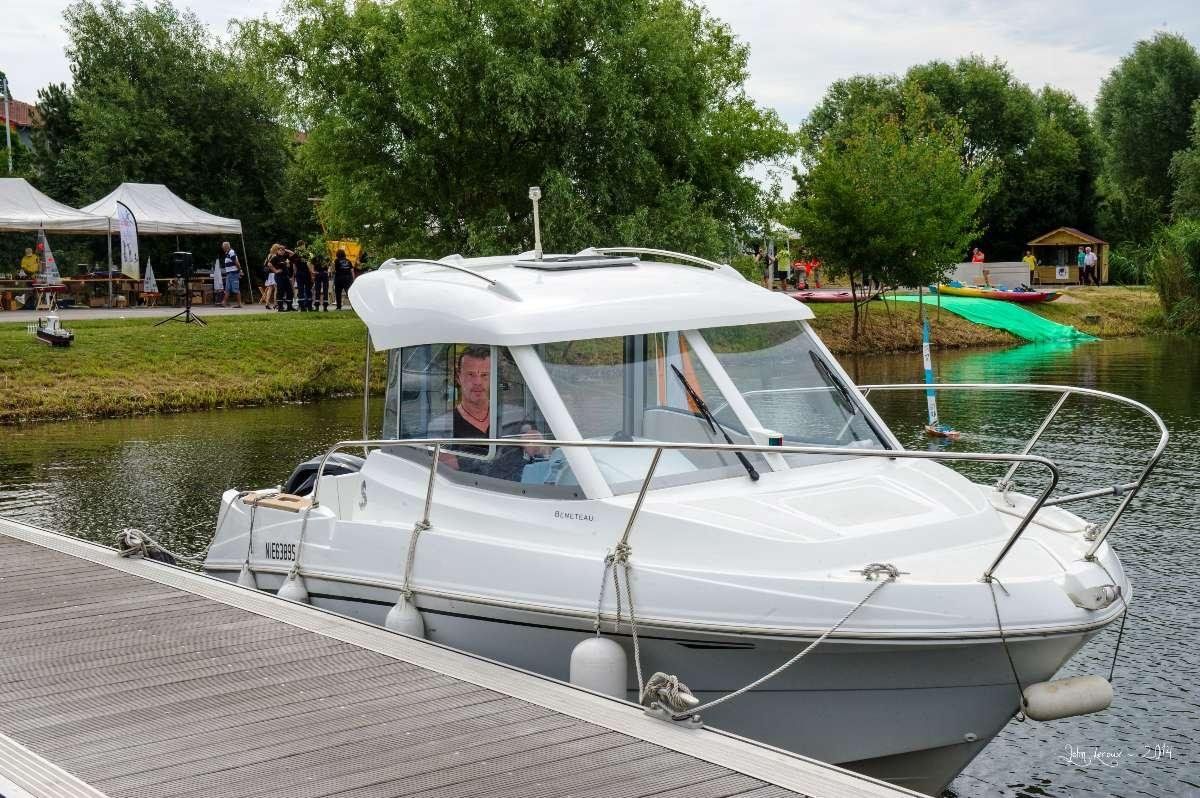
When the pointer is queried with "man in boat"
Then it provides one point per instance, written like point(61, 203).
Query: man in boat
point(472, 419)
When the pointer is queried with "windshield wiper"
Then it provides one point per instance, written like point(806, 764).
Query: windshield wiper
point(823, 367)
point(713, 424)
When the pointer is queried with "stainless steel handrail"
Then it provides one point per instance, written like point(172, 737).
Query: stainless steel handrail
point(398, 264)
point(711, 265)
point(1127, 490)
point(660, 446)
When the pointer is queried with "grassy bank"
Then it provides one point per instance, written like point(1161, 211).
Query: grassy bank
point(123, 367)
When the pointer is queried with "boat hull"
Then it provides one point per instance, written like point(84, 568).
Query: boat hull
point(1023, 297)
point(911, 712)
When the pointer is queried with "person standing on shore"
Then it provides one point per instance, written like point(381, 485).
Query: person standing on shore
point(1030, 261)
point(343, 276)
point(320, 282)
point(1081, 265)
point(977, 255)
point(303, 276)
point(1089, 265)
point(232, 273)
point(283, 277)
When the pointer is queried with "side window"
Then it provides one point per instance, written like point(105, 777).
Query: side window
point(475, 391)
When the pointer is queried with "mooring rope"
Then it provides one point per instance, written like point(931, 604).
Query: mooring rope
point(620, 557)
point(1112, 668)
point(133, 542)
point(992, 581)
point(870, 572)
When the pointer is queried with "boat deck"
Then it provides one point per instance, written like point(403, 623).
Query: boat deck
point(123, 677)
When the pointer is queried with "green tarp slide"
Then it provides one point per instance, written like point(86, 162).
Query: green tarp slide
point(1004, 316)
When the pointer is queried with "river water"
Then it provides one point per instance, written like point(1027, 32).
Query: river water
point(164, 474)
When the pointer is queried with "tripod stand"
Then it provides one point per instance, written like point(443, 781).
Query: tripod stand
point(186, 316)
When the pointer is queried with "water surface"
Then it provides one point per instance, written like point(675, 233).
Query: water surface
point(165, 473)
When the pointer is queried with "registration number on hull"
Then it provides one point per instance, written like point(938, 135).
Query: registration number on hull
point(280, 551)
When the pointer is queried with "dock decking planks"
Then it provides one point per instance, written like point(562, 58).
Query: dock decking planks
point(147, 681)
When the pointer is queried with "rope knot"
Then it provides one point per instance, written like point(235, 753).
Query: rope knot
point(620, 554)
point(667, 690)
point(131, 543)
point(876, 569)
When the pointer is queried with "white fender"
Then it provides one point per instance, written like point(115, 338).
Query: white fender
point(1066, 698)
point(293, 588)
point(600, 664)
point(405, 618)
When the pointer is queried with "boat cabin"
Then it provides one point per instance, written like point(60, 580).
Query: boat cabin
point(600, 348)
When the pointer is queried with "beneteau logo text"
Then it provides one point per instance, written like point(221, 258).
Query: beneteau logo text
point(587, 517)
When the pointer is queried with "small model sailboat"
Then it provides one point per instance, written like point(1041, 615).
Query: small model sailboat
point(149, 284)
point(935, 428)
point(217, 277)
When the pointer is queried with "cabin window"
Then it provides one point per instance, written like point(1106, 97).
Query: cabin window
point(454, 391)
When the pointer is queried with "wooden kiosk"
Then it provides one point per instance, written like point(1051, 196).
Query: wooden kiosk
point(1056, 251)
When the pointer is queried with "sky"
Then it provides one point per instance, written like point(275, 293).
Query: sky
point(797, 47)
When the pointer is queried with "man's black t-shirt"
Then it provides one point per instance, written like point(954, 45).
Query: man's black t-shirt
point(283, 270)
point(343, 271)
point(300, 269)
point(465, 429)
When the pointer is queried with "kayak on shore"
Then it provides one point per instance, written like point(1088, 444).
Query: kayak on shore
point(822, 295)
point(988, 292)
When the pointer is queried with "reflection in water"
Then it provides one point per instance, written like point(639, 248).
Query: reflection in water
point(164, 474)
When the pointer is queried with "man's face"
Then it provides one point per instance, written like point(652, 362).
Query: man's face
point(475, 379)
point(224, 247)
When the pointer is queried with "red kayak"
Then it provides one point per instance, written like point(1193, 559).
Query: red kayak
point(822, 296)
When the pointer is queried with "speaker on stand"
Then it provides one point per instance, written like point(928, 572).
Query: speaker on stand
point(181, 266)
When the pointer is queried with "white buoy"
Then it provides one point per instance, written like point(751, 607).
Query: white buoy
point(293, 589)
point(600, 664)
point(1066, 698)
point(405, 618)
point(246, 577)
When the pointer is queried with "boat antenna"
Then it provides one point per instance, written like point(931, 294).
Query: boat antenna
point(535, 194)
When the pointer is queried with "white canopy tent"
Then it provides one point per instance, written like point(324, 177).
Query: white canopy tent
point(159, 211)
point(24, 208)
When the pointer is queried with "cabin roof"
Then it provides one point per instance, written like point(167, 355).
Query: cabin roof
point(515, 300)
point(1066, 235)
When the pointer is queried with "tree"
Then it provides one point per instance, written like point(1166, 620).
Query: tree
point(155, 98)
point(1143, 112)
point(890, 200)
point(1040, 146)
point(1185, 174)
point(428, 120)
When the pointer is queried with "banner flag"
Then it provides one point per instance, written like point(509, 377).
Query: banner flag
point(127, 226)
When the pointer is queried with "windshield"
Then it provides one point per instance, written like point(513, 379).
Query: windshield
point(633, 388)
point(789, 387)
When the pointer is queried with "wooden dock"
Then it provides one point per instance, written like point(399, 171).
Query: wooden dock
point(123, 677)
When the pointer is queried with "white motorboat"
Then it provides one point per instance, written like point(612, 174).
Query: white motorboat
point(556, 423)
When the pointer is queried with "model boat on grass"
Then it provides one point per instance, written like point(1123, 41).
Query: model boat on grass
point(1022, 295)
point(48, 330)
point(549, 421)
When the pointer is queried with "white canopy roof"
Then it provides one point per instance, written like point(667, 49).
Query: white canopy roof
point(509, 302)
point(159, 211)
point(23, 207)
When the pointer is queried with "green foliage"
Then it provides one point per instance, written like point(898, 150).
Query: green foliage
point(155, 98)
point(889, 199)
point(1040, 147)
point(1174, 262)
point(1144, 112)
point(1185, 174)
point(1127, 265)
point(429, 120)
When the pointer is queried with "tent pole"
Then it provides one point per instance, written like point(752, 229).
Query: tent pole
point(109, 238)
point(246, 264)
